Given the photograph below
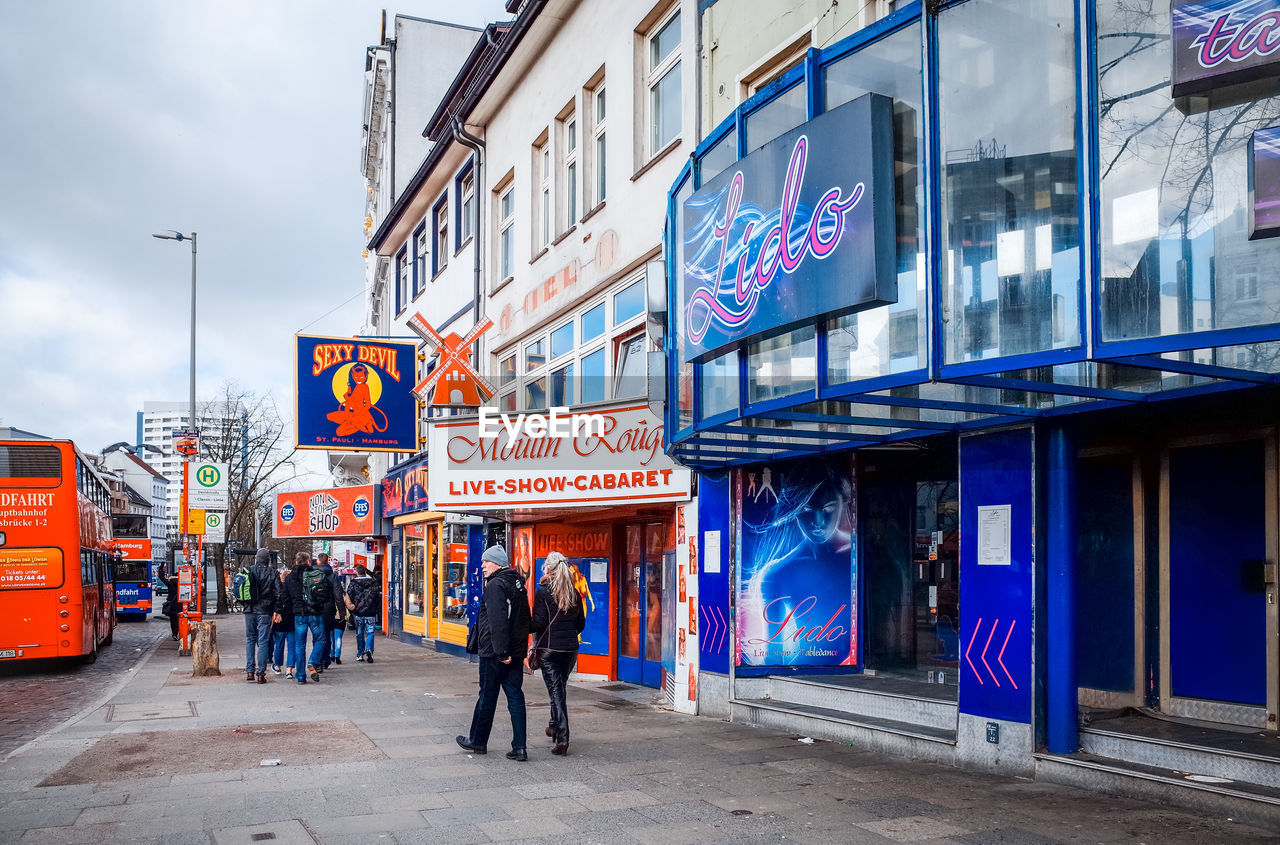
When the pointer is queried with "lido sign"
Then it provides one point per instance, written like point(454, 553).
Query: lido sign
point(801, 228)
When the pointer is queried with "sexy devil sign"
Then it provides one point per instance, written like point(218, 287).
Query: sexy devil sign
point(356, 394)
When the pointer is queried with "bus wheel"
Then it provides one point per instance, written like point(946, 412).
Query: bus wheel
point(92, 656)
point(111, 635)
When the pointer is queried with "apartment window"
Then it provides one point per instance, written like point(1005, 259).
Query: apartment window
point(598, 146)
point(440, 224)
point(662, 78)
point(542, 159)
point(402, 280)
point(419, 259)
point(571, 171)
point(506, 233)
point(579, 359)
point(466, 205)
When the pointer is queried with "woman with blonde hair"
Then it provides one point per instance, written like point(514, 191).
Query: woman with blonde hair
point(558, 619)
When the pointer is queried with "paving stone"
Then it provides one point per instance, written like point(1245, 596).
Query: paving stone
point(416, 802)
point(505, 831)
point(893, 808)
point(616, 800)
point(662, 834)
point(366, 824)
point(558, 789)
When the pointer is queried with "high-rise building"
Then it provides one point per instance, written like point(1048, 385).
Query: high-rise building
point(157, 422)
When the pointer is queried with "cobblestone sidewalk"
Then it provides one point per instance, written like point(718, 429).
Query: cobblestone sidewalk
point(388, 771)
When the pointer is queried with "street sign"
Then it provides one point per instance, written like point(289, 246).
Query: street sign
point(215, 527)
point(207, 485)
point(195, 521)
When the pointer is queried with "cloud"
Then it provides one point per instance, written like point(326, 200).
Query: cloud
point(238, 119)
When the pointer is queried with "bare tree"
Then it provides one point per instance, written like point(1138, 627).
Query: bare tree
point(249, 435)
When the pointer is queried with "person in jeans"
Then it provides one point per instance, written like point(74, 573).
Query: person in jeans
point(282, 633)
point(335, 622)
point(258, 616)
point(500, 638)
point(365, 596)
point(307, 616)
point(558, 620)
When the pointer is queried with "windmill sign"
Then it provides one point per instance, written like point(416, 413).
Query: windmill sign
point(454, 380)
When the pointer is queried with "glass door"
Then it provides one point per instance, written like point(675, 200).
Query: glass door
point(644, 554)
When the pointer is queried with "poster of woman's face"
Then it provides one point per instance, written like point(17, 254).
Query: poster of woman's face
point(796, 583)
point(693, 555)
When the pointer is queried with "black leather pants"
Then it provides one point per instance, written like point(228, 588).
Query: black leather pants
point(556, 668)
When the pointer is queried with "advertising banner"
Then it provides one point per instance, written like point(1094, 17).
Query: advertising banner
point(22, 568)
point(1264, 183)
point(587, 550)
point(133, 548)
point(356, 394)
point(333, 512)
point(797, 584)
point(617, 459)
point(801, 228)
point(404, 489)
point(686, 698)
point(1223, 42)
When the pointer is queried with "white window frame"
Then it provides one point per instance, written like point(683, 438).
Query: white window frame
point(653, 76)
point(571, 169)
point(466, 207)
point(608, 341)
point(506, 241)
point(598, 154)
point(420, 254)
point(440, 234)
point(544, 196)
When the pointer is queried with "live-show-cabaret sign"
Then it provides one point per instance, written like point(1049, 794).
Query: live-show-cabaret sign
point(356, 394)
point(801, 228)
point(622, 462)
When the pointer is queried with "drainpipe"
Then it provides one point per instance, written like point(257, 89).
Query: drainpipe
point(391, 45)
point(466, 139)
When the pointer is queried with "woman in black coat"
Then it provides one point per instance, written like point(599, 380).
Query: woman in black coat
point(558, 620)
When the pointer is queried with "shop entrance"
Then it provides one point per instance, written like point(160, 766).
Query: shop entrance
point(395, 588)
point(644, 554)
point(910, 513)
point(1218, 556)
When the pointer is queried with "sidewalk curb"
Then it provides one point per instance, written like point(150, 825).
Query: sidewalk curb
point(86, 711)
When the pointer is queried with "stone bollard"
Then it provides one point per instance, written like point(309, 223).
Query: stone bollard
point(204, 649)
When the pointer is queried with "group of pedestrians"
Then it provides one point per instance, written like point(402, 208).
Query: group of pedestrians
point(309, 598)
point(500, 639)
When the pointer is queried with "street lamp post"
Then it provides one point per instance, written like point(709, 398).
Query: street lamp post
point(172, 235)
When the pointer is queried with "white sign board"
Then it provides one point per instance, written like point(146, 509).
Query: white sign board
point(994, 541)
point(620, 462)
point(215, 527)
point(207, 485)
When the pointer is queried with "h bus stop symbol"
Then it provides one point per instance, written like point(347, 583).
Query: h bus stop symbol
point(208, 476)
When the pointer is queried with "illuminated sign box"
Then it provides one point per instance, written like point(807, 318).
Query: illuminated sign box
point(356, 394)
point(1264, 184)
point(1217, 43)
point(333, 512)
point(800, 229)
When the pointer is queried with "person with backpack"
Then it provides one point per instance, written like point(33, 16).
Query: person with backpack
point(558, 619)
point(363, 599)
point(307, 588)
point(258, 596)
point(336, 621)
point(500, 638)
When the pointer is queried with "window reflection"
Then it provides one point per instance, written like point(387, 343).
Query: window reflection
point(891, 338)
point(1174, 207)
point(1012, 262)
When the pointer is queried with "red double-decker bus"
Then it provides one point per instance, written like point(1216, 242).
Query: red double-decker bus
point(57, 597)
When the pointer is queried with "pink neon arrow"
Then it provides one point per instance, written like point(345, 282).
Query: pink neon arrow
point(970, 647)
point(724, 629)
point(1000, 657)
point(983, 656)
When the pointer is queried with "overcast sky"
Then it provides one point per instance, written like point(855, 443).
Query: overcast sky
point(239, 119)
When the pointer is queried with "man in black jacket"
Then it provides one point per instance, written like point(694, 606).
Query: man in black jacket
point(308, 615)
point(500, 638)
point(335, 618)
point(258, 614)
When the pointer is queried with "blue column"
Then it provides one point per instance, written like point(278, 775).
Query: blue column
point(1060, 490)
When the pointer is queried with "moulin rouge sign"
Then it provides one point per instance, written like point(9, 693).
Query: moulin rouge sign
point(801, 228)
point(623, 463)
point(1223, 42)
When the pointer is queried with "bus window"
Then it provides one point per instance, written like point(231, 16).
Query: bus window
point(23, 461)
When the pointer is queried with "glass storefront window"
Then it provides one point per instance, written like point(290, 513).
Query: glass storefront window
point(720, 385)
point(415, 571)
point(783, 365)
point(892, 338)
point(453, 587)
point(593, 376)
point(775, 118)
point(593, 323)
point(1011, 254)
point(1176, 254)
point(723, 155)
